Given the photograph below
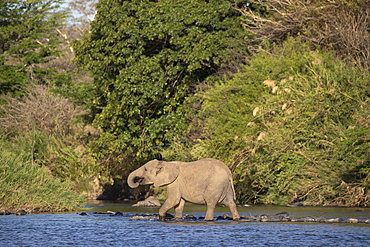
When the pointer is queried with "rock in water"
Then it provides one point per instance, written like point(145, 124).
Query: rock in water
point(224, 217)
point(5, 212)
point(151, 201)
point(140, 217)
point(190, 217)
point(21, 212)
point(151, 217)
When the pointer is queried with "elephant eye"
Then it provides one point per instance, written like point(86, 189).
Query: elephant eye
point(159, 170)
point(145, 169)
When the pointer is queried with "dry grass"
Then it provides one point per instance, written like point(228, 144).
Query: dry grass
point(353, 195)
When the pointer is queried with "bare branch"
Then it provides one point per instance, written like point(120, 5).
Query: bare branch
point(38, 108)
point(335, 25)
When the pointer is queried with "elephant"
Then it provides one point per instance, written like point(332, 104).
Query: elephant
point(207, 181)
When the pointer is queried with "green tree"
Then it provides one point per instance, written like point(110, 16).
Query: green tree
point(27, 40)
point(146, 57)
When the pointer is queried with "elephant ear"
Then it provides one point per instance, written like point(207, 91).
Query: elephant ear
point(166, 173)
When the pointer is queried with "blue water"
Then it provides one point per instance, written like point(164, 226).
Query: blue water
point(73, 229)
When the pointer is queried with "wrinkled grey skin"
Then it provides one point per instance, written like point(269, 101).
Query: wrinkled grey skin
point(206, 181)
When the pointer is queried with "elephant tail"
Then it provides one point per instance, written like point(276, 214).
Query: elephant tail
point(232, 187)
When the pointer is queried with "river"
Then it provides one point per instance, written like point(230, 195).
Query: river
point(73, 229)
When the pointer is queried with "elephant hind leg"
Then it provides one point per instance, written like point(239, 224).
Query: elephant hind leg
point(230, 203)
point(179, 209)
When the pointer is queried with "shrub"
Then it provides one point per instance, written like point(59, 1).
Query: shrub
point(41, 124)
point(40, 109)
point(286, 126)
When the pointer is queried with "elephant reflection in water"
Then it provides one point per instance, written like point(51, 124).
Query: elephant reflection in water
point(206, 181)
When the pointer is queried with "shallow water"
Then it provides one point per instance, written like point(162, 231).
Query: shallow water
point(105, 230)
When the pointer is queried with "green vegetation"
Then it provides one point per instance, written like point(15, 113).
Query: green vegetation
point(37, 134)
point(27, 39)
point(24, 184)
point(262, 86)
point(146, 57)
point(43, 157)
point(293, 124)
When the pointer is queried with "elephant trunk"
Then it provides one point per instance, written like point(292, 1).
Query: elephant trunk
point(131, 178)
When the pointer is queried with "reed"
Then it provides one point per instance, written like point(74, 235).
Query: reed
point(29, 186)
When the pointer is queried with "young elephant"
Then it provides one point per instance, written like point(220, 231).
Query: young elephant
point(206, 181)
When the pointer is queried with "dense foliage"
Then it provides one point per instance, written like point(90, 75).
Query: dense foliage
point(294, 124)
point(145, 58)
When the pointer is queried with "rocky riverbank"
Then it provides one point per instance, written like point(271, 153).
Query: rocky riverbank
point(279, 217)
point(19, 212)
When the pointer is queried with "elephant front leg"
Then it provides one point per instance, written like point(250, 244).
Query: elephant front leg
point(179, 209)
point(173, 199)
point(167, 205)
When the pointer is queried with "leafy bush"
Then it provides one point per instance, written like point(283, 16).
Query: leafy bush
point(291, 125)
point(72, 162)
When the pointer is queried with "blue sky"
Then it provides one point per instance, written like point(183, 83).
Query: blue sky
point(66, 3)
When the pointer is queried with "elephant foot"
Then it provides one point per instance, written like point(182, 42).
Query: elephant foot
point(162, 218)
point(236, 219)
